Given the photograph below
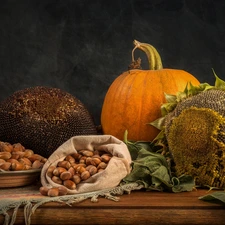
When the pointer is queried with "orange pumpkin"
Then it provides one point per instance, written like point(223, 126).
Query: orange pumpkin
point(135, 97)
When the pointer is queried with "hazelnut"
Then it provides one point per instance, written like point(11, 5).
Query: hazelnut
point(80, 169)
point(88, 160)
point(44, 190)
point(58, 170)
point(83, 160)
point(5, 166)
point(5, 155)
point(27, 167)
point(57, 180)
point(77, 165)
point(65, 175)
point(18, 147)
point(50, 170)
point(69, 184)
point(44, 160)
point(102, 165)
point(17, 155)
point(70, 159)
point(91, 169)
point(17, 166)
point(25, 161)
point(37, 164)
point(76, 179)
point(2, 161)
point(71, 170)
point(100, 170)
point(106, 157)
point(28, 153)
point(96, 156)
point(35, 157)
point(64, 164)
point(11, 160)
point(76, 156)
point(95, 161)
point(62, 190)
point(53, 192)
point(6, 147)
point(87, 153)
point(85, 175)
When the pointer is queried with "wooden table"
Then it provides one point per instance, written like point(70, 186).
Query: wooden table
point(138, 207)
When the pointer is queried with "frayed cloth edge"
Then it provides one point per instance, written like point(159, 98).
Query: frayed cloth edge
point(31, 205)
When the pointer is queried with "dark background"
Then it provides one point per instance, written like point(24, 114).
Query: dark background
point(81, 46)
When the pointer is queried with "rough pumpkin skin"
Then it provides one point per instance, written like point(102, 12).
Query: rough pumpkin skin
point(134, 100)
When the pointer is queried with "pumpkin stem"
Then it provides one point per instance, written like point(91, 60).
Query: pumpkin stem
point(135, 64)
point(154, 59)
point(133, 53)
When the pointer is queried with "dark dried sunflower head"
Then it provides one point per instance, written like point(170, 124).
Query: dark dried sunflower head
point(196, 140)
point(193, 128)
point(42, 118)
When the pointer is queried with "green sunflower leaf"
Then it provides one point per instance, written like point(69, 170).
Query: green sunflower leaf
point(219, 83)
point(217, 197)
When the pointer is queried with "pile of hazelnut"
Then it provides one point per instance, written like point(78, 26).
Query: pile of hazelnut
point(15, 157)
point(74, 169)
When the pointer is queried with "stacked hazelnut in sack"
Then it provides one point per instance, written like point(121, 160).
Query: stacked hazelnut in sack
point(74, 169)
point(15, 157)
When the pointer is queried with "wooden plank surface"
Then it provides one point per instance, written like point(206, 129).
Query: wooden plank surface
point(139, 207)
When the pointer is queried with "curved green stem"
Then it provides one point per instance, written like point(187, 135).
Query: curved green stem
point(154, 59)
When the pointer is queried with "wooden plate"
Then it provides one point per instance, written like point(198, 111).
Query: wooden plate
point(18, 178)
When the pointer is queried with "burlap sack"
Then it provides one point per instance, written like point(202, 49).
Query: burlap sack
point(118, 167)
